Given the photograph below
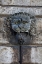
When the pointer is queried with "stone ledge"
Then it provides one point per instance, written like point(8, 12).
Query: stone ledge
point(22, 2)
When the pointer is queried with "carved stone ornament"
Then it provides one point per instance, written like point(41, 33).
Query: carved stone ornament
point(22, 25)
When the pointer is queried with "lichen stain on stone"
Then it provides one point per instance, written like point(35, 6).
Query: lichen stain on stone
point(20, 27)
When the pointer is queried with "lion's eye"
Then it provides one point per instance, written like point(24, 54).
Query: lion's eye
point(15, 22)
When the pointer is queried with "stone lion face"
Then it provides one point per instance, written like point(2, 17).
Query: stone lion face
point(21, 22)
point(23, 27)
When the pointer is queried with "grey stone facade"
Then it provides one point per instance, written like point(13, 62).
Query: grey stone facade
point(9, 46)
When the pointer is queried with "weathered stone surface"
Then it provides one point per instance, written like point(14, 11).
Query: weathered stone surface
point(36, 2)
point(29, 54)
point(38, 37)
point(32, 54)
point(3, 38)
point(9, 54)
point(12, 10)
point(7, 38)
point(15, 2)
point(1, 24)
point(22, 2)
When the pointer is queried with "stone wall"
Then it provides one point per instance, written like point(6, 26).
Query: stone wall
point(9, 52)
